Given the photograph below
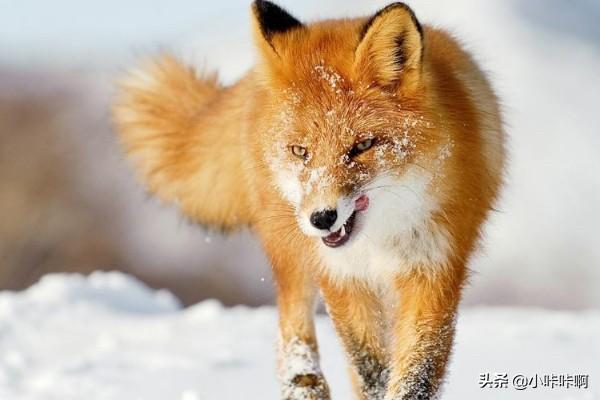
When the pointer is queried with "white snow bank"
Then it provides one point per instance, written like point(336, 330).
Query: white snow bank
point(112, 291)
point(107, 336)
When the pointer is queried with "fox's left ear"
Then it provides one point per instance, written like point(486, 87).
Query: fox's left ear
point(270, 24)
point(390, 50)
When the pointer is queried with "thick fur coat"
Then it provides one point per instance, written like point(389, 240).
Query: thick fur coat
point(364, 153)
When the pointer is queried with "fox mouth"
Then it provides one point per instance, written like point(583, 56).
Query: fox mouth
point(341, 236)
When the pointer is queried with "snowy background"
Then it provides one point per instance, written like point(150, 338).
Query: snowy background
point(68, 203)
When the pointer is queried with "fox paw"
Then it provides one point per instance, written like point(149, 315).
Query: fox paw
point(299, 372)
point(309, 386)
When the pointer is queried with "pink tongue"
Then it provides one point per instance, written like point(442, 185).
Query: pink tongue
point(362, 203)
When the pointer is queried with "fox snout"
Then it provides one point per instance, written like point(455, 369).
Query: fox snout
point(326, 218)
point(335, 225)
point(323, 219)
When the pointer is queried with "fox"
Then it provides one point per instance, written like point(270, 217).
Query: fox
point(364, 153)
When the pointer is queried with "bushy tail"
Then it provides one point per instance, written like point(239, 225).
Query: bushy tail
point(165, 116)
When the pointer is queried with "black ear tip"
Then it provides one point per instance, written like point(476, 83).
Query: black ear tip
point(273, 19)
point(267, 7)
point(262, 4)
point(393, 6)
point(410, 12)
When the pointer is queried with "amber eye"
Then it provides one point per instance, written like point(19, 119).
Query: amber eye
point(364, 145)
point(299, 151)
point(361, 147)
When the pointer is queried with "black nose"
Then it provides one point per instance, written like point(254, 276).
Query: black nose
point(323, 219)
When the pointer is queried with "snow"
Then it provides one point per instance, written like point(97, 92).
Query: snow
point(330, 76)
point(107, 336)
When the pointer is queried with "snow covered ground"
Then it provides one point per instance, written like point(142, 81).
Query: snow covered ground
point(108, 336)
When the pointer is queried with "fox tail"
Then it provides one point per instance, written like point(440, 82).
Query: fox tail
point(175, 149)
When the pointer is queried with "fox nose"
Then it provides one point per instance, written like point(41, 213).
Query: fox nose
point(323, 219)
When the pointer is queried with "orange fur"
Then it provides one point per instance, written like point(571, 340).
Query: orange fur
point(224, 155)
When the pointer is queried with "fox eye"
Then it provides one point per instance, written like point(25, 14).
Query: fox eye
point(299, 151)
point(364, 145)
point(361, 147)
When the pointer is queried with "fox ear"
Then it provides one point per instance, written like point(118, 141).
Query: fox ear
point(390, 49)
point(269, 22)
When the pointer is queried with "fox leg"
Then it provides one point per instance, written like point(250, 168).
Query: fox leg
point(423, 332)
point(357, 315)
point(298, 359)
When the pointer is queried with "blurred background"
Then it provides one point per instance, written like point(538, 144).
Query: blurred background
point(69, 202)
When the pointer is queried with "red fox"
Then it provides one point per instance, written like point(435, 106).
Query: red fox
point(364, 153)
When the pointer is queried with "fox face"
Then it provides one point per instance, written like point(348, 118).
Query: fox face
point(333, 147)
point(347, 134)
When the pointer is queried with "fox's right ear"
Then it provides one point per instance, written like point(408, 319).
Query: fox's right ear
point(391, 48)
point(270, 24)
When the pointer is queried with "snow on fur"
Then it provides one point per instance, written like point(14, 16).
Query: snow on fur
point(298, 360)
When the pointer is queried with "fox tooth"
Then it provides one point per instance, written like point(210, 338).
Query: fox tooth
point(343, 231)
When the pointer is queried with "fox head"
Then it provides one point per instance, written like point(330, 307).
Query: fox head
point(346, 118)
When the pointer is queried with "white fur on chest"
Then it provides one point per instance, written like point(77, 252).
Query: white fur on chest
point(395, 235)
